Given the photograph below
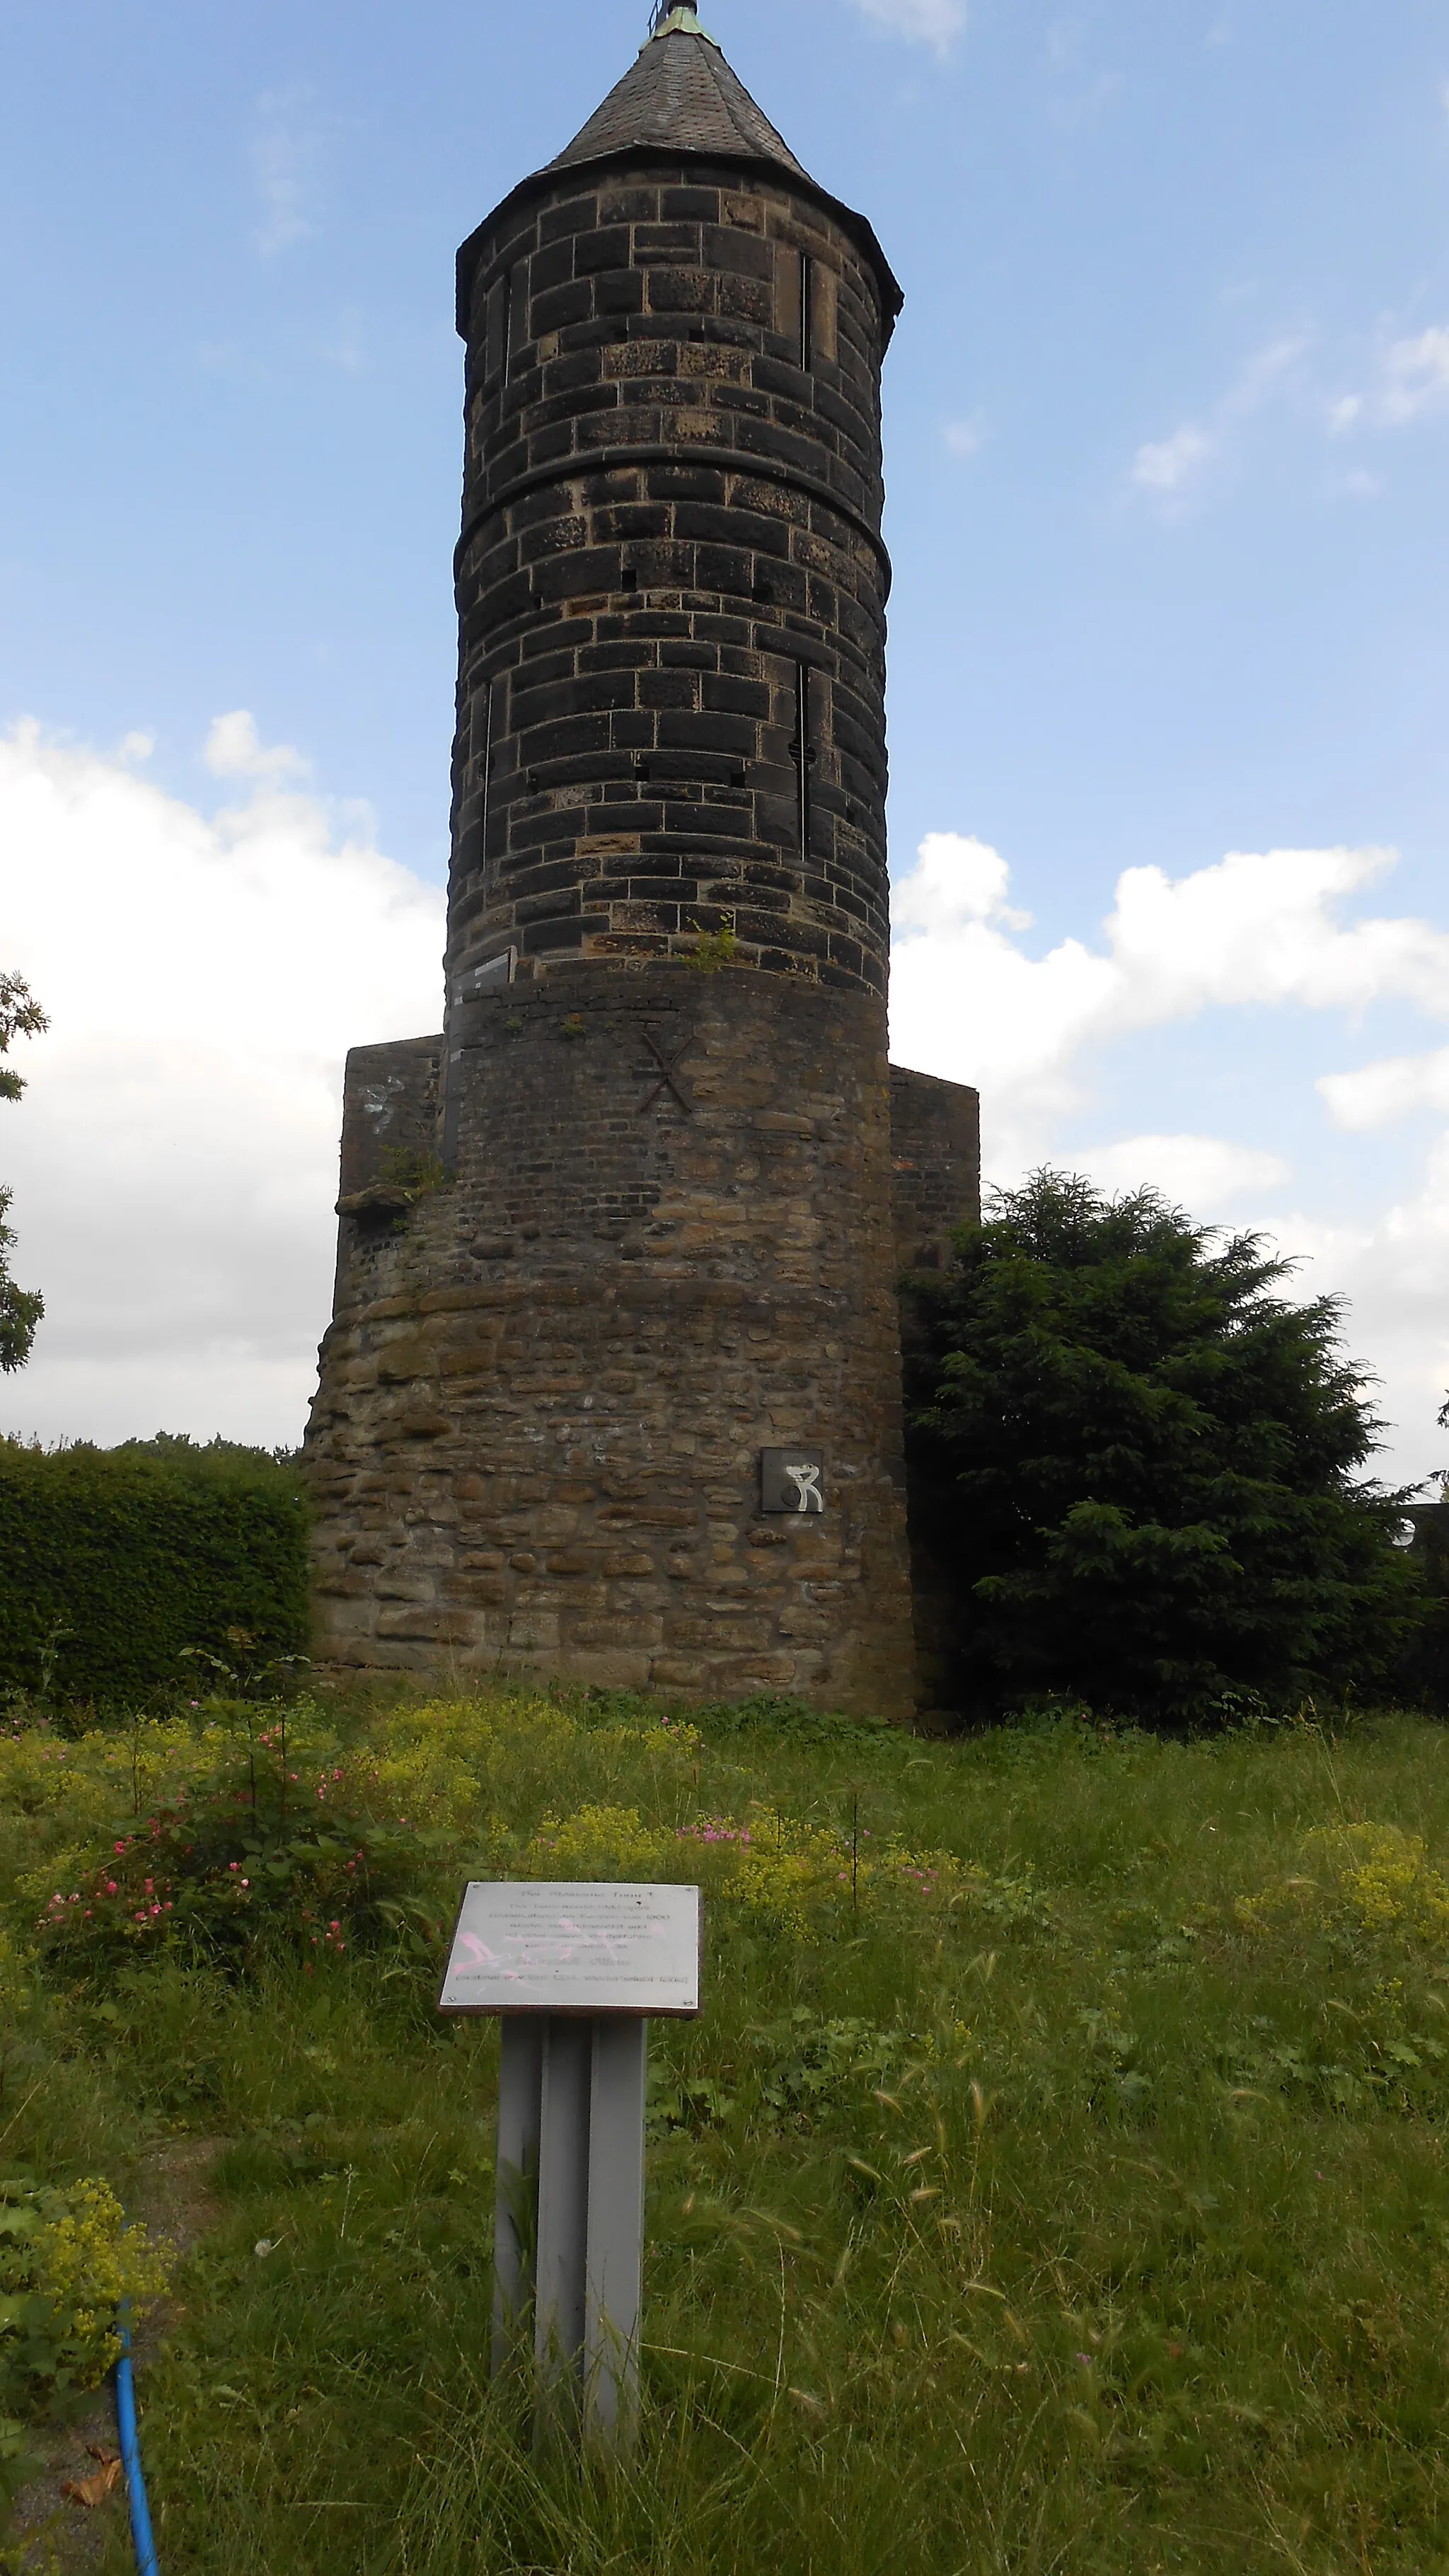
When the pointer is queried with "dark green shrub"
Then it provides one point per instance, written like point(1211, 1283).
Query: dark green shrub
point(1424, 1674)
point(114, 1561)
point(1139, 1467)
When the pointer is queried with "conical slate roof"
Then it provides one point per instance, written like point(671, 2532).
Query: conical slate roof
point(680, 100)
point(680, 96)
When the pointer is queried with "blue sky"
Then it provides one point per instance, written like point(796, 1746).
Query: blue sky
point(1167, 432)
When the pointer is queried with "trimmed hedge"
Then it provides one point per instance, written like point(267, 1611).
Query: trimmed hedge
point(138, 1552)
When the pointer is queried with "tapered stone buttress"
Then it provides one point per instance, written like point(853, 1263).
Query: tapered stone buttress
point(625, 1238)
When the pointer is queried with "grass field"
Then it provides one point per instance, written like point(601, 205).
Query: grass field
point(1055, 2180)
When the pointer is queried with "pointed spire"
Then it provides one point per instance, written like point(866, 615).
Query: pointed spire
point(678, 100)
point(680, 96)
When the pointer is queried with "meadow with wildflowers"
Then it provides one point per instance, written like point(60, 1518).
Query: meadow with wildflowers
point(1054, 2181)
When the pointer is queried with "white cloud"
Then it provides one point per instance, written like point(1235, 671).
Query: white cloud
point(927, 22)
point(1204, 1174)
point(174, 1160)
point(966, 438)
point(1379, 1094)
point(1167, 467)
point(970, 1004)
point(1165, 464)
point(1415, 377)
point(234, 749)
point(284, 167)
point(1406, 379)
point(956, 877)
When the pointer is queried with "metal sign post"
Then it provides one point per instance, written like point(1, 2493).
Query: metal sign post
point(575, 1972)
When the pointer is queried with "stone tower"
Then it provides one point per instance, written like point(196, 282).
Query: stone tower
point(612, 1389)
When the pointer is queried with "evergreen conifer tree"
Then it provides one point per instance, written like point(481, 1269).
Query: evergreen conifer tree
point(1140, 1467)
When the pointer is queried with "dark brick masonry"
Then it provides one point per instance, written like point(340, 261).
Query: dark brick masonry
point(676, 1212)
point(671, 585)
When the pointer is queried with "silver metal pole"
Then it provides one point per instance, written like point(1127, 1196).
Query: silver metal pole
point(615, 2227)
point(563, 2203)
point(515, 2222)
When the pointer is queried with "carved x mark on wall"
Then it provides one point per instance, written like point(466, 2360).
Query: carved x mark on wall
point(668, 1070)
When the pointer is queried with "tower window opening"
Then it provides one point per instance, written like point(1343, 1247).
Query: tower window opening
point(482, 749)
point(795, 303)
point(802, 751)
point(500, 317)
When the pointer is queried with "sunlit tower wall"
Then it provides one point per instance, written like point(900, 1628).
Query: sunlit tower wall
point(612, 1389)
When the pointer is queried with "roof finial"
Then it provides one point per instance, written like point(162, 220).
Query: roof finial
point(675, 18)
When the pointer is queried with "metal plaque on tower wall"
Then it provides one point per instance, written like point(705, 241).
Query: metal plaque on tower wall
point(792, 1480)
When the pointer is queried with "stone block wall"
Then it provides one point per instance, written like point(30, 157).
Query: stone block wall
point(671, 582)
point(389, 1110)
point(543, 1398)
point(935, 1165)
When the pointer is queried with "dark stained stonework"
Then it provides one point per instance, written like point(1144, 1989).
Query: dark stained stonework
point(670, 569)
point(935, 1165)
point(675, 1209)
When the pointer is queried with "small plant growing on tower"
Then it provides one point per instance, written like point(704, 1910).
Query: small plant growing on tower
point(714, 949)
point(417, 1174)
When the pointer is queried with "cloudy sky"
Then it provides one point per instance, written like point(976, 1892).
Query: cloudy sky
point(1168, 456)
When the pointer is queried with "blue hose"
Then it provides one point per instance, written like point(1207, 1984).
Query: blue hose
point(145, 2546)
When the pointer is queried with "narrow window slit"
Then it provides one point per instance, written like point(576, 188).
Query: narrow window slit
point(803, 752)
point(482, 748)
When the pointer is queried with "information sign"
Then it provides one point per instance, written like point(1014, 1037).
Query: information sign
point(552, 1946)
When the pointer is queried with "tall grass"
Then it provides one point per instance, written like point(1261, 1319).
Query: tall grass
point(1090, 2213)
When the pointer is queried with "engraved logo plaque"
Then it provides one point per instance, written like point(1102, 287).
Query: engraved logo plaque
point(793, 1481)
